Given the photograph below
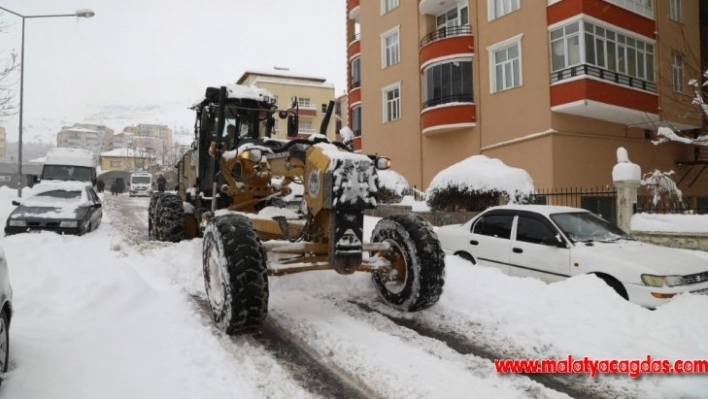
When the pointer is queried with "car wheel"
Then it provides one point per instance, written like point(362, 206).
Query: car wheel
point(616, 285)
point(4, 344)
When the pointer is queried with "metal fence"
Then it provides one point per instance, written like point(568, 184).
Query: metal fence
point(599, 200)
point(647, 203)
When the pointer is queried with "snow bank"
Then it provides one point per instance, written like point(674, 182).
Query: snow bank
point(393, 181)
point(480, 173)
point(670, 223)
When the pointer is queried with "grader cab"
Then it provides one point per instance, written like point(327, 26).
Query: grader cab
point(232, 186)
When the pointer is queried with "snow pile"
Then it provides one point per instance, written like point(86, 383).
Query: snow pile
point(483, 174)
point(393, 181)
point(347, 134)
point(417, 206)
point(670, 223)
point(625, 170)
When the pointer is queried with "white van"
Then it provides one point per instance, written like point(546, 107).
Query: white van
point(70, 164)
point(140, 184)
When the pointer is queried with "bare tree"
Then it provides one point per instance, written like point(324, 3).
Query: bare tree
point(8, 68)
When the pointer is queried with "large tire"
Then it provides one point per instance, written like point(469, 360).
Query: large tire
point(154, 199)
point(4, 344)
point(169, 219)
point(235, 274)
point(420, 261)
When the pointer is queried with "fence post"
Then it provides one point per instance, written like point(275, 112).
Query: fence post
point(627, 178)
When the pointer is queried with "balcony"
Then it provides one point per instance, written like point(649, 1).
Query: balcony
point(354, 46)
point(435, 7)
point(593, 92)
point(448, 113)
point(353, 9)
point(446, 42)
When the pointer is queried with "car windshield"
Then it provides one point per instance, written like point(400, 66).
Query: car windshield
point(588, 227)
point(140, 180)
point(63, 172)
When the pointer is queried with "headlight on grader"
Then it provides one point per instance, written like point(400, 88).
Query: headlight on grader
point(253, 155)
point(383, 163)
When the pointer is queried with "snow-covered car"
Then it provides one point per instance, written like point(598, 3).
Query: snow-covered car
point(5, 314)
point(553, 243)
point(63, 207)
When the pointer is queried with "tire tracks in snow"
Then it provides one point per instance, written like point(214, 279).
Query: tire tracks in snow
point(470, 346)
point(314, 374)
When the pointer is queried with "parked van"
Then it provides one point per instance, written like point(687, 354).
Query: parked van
point(70, 164)
point(140, 184)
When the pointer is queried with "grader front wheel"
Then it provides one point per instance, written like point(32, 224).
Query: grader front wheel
point(417, 275)
point(235, 274)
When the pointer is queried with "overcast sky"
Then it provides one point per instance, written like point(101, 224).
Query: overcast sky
point(148, 52)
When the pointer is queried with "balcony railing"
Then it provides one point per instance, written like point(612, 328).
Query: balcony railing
point(604, 74)
point(455, 98)
point(445, 32)
point(356, 83)
point(356, 37)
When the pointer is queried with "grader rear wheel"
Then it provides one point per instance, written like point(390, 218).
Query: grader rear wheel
point(417, 259)
point(169, 218)
point(235, 274)
point(154, 199)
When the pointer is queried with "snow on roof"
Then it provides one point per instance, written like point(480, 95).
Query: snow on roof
point(393, 180)
point(280, 73)
point(80, 129)
point(125, 153)
point(541, 209)
point(480, 173)
point(242, 91)
point(70, 156)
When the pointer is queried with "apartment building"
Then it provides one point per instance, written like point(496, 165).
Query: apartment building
point(553, 87)
point(313, 94)
point(79, 137)
point(161, 132)
point(3, 142)
point(105, 133)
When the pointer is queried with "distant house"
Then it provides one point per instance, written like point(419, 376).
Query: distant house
point(126, 159)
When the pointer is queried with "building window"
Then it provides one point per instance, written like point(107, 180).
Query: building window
point(605, 49)
point(675, 10)
point(305, 126)
point(453, 17)
point(498, 8)
point(304, 102)
point(565, 46)
point(115, 164)
point(356, 120)
point(643, 7)
point(450, 82)
point(390, 48)
point(505, 59)
point(677, 72)
point(392, 102)
point(356, 72)
point(324, 108)
point(388, 5)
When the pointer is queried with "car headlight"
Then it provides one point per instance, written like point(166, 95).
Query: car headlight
point(17, 223)
point(68, 223)
point(660, 281)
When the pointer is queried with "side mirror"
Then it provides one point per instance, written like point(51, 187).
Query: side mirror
point(98, 205)
point(16, 203)
point(553, 242)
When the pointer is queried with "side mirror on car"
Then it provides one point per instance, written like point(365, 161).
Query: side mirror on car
point(98, 205)
point(16, 203)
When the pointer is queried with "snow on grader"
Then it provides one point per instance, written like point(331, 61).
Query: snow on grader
point(232, 185)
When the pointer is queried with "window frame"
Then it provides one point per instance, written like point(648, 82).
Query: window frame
point(389, 5)
point(395, 101)
point(356, 111)
point(677, 69)
point(536, 218)
point(676, 10)
point(512, 5)
point(505, 45)
point(427, 97)
point(385, 49)
point(510, 215)
point(305, 102)
point(355, 71)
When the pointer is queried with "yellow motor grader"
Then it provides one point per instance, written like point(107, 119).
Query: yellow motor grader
point(232, 186)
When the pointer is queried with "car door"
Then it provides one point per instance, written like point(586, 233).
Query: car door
point(531, 257)
point(490, 239)
point(96, 210)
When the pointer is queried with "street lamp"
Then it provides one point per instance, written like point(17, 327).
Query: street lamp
point(84, 13)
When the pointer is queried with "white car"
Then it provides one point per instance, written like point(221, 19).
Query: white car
point(553, 243)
